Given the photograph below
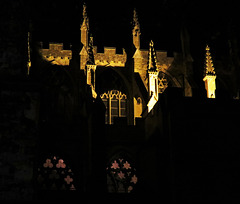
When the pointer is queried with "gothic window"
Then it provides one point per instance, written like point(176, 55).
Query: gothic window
point(54, 174)
point(116, 105)
point(121, 176)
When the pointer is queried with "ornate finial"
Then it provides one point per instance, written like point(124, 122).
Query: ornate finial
point(91, 60)
point(209, 69)
point(152, 59)
point(136, 30)
point(85, 17)
point(135, 22)
point(151, 44)
point(135, 17)
point(84, 10)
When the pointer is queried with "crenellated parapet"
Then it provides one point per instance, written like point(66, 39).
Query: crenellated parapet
point(56, 54)
point(110, 57)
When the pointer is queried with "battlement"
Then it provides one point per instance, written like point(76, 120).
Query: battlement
point(110, 57)
point(56, 54)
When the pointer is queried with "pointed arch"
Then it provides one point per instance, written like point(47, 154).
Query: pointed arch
point(172, 78)
point(118, 80)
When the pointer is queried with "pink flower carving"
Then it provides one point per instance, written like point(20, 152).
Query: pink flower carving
point(60, 164)
point(121, 175)
point(130, 189)
point(134, 179)
point(68, 179)
point(48, 164)
point(126, 165)
point(115, 165)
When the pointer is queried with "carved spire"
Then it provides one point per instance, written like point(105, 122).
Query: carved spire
point(135, 20)
point(84, 27)
point(209, 69)
point(210, 75)
point(152, 59)
point(136, 30)
point(85, 23)
point(84, 10)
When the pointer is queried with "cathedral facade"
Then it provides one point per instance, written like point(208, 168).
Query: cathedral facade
point(125, 125)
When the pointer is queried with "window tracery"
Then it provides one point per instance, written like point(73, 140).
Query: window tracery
point(121, 176)
point(116, 105)
point(54, 174)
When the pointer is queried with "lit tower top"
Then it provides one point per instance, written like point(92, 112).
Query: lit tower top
point(136, 30)
point(209, 75)
point(153, 73)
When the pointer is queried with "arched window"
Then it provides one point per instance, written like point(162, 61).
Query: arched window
point(55, 174)
point(116, 105)
point(121, 176)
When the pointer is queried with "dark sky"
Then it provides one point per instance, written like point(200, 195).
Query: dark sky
point(110, 21)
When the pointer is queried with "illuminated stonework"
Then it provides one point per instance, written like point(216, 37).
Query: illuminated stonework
point(155, 74)
point(210, 75)
point(121, 176)
point(109, 58)
point(56, 54)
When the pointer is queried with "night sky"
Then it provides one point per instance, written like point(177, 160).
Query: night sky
point(110, 21)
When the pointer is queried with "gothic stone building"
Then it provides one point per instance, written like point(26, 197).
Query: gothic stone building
point(125, 125)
